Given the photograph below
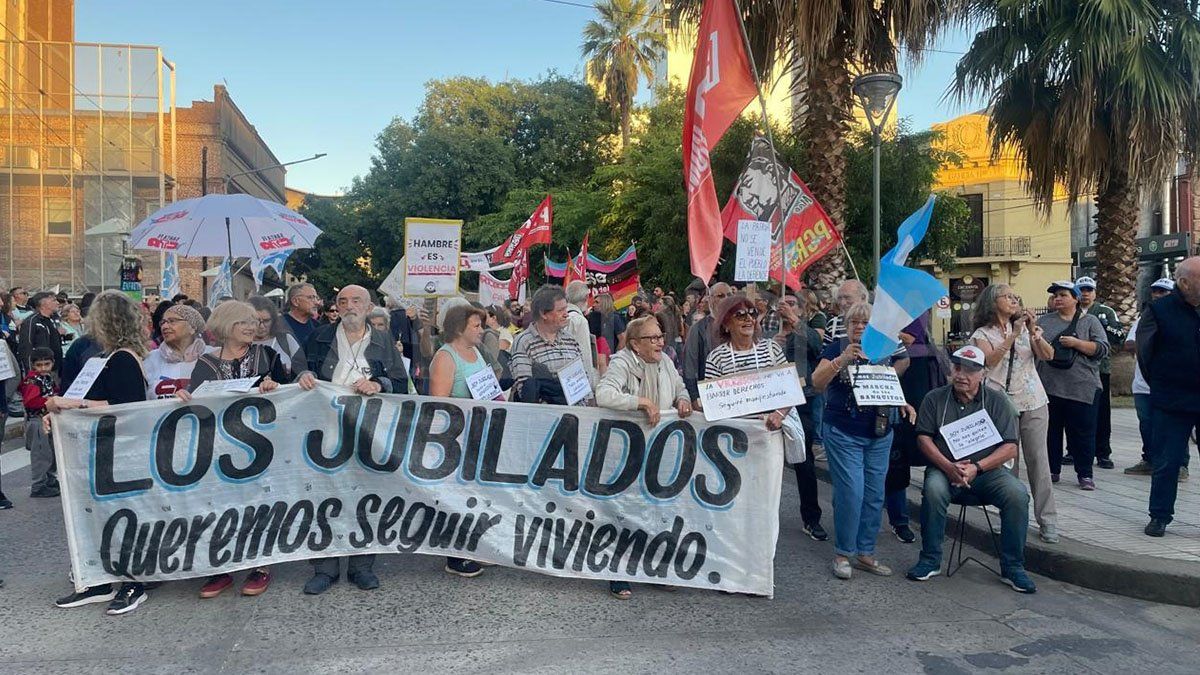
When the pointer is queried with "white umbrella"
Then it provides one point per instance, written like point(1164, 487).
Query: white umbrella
point(234, 225)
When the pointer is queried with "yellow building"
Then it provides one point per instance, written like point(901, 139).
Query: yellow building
point(1012, 242)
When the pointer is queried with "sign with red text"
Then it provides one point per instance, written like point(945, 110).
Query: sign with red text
point(431, 256)
point(754, 391)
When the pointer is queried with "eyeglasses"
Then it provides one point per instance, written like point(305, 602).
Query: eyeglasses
point(745, 313)
point(172, 321)
point(859, 323)
point(652, 338)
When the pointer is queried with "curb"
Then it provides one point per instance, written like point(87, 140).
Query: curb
point(1173, 582)
point(14, 428)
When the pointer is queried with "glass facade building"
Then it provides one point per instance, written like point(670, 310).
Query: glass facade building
point(86, 131)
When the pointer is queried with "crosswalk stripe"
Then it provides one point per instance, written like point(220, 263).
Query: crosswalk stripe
point(13, 460)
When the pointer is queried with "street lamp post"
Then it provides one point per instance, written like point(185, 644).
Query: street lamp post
point(876, 93)
point(230, 177)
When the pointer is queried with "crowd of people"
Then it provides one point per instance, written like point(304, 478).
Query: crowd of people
point(1037, 378)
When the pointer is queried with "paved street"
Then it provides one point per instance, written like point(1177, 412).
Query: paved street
point(423, 620)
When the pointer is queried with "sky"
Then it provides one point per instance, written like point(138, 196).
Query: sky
point(328, 76)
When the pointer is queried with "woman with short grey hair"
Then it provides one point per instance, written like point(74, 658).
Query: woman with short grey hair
point(1012, 343)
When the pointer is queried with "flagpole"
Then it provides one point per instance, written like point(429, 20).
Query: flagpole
point(776, 240)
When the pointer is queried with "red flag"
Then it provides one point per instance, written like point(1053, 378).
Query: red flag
point(520, 272)
point(720, 87)
point(535, 230)
point(808, 232)
point(577, 267)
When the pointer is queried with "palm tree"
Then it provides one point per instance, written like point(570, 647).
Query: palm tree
point(822, 43)
point(622, 47)
point(1099, 96)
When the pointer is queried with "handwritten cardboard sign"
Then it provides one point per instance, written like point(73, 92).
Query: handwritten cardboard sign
point(876, 385)
point(751, 392)
point(971, 434)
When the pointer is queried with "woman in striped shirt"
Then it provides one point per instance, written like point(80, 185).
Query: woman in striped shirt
point(739, 347)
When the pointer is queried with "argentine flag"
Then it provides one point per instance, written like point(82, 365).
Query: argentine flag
point(901, 293)
point(222, 286)
point(170, 276)
point(274, 261)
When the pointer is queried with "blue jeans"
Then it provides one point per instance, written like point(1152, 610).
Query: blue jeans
point(1141, 403)
point(998, 488)
point(857, 467)
point(1168, 452)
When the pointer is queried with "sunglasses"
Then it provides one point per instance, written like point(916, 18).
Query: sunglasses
point(745, 313)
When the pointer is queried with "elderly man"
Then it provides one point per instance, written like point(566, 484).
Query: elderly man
point(1141, 390)
point(545, 349)
point(1168, 349)
point(971, 464)
point(849, 294)
point(40, 330)
point(351, 353)
point(1115, 332)
point(300, 301)
point(699, 343)
point(577, 307)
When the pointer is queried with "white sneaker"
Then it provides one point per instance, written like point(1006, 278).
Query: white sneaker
point(841, 568)
point(1049, 534)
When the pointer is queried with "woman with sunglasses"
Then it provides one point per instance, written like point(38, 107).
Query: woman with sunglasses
point(858, 443)
point(740, 348)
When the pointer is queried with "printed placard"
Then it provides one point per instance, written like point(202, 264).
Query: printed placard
point(751, 392)
point(240, 385)
point(6, 367)
point(971, 434)
point(483, 385)
point(432, 251)
point(876, 385)
point(753, 262)
point(86, 378)
point(575, 383)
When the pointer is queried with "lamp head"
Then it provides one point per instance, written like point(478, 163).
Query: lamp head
point(876, 93)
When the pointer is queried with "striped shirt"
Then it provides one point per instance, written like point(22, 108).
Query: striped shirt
point(723, 360)
point(529, 348)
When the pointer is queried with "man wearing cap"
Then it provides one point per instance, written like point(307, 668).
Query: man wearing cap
point(1115, 331)
point(1168, 348)
point(699, 343)
point(960, 469)
point(1141, 390)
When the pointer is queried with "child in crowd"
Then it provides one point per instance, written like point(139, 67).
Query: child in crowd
point(36, 387)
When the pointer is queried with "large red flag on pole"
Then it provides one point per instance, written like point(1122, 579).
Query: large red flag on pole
point(721, 85)
point(535, 230)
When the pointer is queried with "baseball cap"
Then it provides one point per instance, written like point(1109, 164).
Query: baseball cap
point(1085, 282)
point(968, 357)
point(1164, 284)
point(1063, 286)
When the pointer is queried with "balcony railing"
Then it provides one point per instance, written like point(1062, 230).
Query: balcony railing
point(999, 247)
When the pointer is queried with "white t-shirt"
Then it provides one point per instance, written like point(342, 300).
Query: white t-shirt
point(1140, 386)
point(164, 379)
point(352, 363)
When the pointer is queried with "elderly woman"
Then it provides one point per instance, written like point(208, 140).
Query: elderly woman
point(1012, 343)
point(379, 319)
point(169, 367)
point(71, 328)
point(272, 331)
point(234, 325)
point(118, 326)
point(858, 441)
point(1071, 377)
point(640, 378)
point(739, 347)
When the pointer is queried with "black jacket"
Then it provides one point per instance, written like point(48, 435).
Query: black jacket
point(1168, 350)
point(38, 331)
point(387, 366)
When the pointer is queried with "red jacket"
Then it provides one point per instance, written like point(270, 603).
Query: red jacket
point(35, 389)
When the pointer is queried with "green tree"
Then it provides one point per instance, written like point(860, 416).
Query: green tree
point(1100, 96)
point(621, 47)
point(334, 261)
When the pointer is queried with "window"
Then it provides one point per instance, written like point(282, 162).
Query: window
point(973, 246)
point(58, 216)
point(58, 157)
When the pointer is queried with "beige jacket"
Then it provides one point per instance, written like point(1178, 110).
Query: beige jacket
point(621, 386)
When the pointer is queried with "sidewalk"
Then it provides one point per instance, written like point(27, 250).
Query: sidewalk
point(1102, 545)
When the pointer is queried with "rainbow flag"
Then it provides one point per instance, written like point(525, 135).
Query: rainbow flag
point(618, 278)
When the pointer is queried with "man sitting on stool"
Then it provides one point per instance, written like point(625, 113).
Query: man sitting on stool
point(977, 472)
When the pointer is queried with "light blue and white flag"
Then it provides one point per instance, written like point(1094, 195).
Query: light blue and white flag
point(222, 284)
point(274, 261)
point(170, 276)
point(902, 294)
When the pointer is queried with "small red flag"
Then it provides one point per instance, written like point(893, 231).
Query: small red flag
point(520, 273)
point(535, 230)
point(577, 267)
point(720, 87)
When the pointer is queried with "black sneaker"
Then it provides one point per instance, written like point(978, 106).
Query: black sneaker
point(127, 600)
point(87, 596)
point(1105, 464)
point(44, 492)
point(1156, 528)
point(1068, 459)
point(904, 533)
point(463, 567)
point(4, 502)
point(815, 531)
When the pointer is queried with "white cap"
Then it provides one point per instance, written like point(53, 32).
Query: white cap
point(968, 355)
point(1085, 282)
point(1164, 284)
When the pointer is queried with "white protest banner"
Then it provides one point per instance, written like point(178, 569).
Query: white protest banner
point(971, 434)
point(240, 385)
point(493, 291)
point(574, 381)
point(232, 482)
point(481, 261)
point(431, 256)
point(751, 392)
point(83, 382)
point(876, 385)
point(753, 262)
point(393, 284)
point(7, 370)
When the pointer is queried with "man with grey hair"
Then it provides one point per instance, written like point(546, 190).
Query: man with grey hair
point(544, 349)
point(849, 294)
point(699, 343)
point(299, 302)
point(350, 353)
point(578, 294)
point(1168, 350)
